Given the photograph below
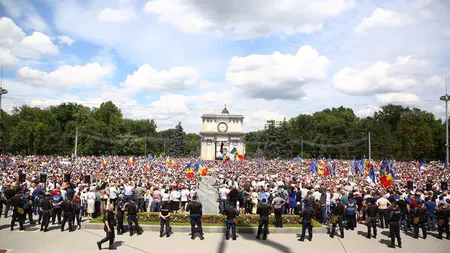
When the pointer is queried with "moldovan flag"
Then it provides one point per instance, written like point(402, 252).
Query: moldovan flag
point(147, 167)
point(104, 162)
point(203, 170)
point(189, 172)
point(130, 160)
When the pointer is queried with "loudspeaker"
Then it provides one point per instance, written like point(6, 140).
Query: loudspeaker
point(87, 179)
point(43, 178)
point(410, 185)
point(66, 178)
point(444, 186)
point(429, 187)
point(22, 177)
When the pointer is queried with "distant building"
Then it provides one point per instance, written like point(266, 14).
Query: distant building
point(220, 134)
point(273, 123)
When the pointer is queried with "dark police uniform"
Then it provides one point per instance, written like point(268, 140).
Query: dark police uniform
point(372, 214)
point(28, 206)
point(231, 214)
point(18, 211)
point(307, 214)
point(120, 215)
point(132, 218)
point(9, 193)
point(395, 216)
point(164, 222)
point(442, 215)
point(195, 210)
point(57, 199)
point(263, 212)
point(110, 236)
point(420, 217)
point(337, 217)
point(69, 212)
point(46, 209)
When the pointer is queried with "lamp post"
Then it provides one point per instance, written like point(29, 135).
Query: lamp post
point(446, 98)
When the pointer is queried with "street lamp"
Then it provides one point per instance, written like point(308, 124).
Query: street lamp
point(446, 98)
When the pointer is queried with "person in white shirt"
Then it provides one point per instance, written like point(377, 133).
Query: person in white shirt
point(223, 197)
point(175, 200)
point(113, 194)
point(184, 198)
point(128, 192)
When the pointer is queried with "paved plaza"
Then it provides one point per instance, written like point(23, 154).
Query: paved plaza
point(84, 241)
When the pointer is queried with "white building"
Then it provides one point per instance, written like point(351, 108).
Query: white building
point(220, 134)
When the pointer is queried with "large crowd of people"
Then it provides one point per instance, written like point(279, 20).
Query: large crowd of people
point(46, 184)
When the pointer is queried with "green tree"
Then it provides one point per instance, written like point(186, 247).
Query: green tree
point(177, 146)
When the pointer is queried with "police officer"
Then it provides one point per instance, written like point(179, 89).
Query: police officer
point(45, 208)
point(264, 212)
point(38, 201)
point(56, 202)
point(109, 222)
point(395, 216)
point(442, 215)
point(164, 217)
point(231, 214)
point(371, 221)
point(120, 215)
point(132, 217)
point(420, 217)
point(337, 217)
point(69, 213)
point(308, 213)
point(18, 210)
point(195, 213)
point(28, 206)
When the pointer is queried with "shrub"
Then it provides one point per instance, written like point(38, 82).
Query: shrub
point(246, 219)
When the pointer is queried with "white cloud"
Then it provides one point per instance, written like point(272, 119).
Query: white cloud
point(381, 18)
point(7, 59)
point(381, 77)
point(14, 43)
point(367, 112)
point(65, 40)
point(35, 45)
point(247, 19)
point(119, 15)
point(67, 77)
point(435, 82)
point(398, 98)
point(148, 78)
point(277, 76)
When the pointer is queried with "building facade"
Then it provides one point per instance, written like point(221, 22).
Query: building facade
point(220, 134)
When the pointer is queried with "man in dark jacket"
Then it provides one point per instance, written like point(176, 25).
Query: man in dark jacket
point(45, 208)
point(372, 214)
point(231, 214)
point(307, 214)
point(18, 211)
point(394, 215)
point(69, 213)
point(442, 215)
point(420, 217)
point(264, 213)
point(109, 222)
point(132, 211)
point(195, 213)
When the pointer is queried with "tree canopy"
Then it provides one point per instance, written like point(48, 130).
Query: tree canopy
point(397, 132)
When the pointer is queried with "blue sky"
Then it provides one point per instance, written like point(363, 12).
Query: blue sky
point(174, 60)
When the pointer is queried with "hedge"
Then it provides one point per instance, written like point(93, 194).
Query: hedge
point(243, 220)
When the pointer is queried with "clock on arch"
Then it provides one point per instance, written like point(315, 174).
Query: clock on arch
point(222, 127)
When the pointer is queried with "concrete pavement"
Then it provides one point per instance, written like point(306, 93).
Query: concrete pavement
point(84, 241)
